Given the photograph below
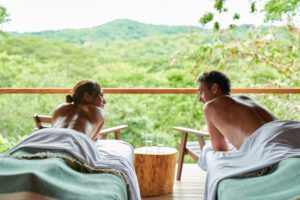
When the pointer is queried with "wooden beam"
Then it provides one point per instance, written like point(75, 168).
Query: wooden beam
point(34, 91)
point(148, 90)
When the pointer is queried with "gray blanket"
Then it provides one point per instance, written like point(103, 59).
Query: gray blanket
point(83, 149)
point(271, 143)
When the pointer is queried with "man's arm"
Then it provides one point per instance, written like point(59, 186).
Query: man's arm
point(217, 139)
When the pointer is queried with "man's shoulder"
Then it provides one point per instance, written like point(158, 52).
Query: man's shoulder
point(218, 103)
point(220, 100)
point(245, 100)
point(241, 97)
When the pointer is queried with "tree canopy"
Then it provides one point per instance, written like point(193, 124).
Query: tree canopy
point(275, 10)
point(3, 17)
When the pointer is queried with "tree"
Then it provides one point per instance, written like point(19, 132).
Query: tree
point(275, 10)
point(278, 9)
point(277, 48)
point(3, 17)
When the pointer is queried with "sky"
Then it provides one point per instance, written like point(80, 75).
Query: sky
point(39, 15)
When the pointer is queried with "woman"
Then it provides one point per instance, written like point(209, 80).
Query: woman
point(83, 110)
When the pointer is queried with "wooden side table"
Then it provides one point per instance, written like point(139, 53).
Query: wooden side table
point(155, 169)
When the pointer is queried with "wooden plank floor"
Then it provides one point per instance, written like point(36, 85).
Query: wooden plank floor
point(191, 186)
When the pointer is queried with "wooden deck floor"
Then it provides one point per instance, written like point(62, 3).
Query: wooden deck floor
point(191, 186)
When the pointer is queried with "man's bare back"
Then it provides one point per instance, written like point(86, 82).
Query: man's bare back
point(227, 117)
point(87, 119)
point(235, 118)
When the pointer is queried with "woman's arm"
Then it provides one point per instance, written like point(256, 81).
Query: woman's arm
point(100, 123)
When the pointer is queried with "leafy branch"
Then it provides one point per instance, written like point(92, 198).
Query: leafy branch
point(275, 10)
point(3, 18)
point(256, 48)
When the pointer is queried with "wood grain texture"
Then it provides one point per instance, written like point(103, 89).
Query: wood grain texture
point(190, 187)
point(155, 171)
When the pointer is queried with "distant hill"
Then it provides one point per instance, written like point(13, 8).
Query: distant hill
point(121, 29)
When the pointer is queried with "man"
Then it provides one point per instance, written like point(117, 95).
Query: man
point(83, 110)
point(227, 117)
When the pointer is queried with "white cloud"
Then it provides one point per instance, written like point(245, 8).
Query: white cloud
point(37, 15)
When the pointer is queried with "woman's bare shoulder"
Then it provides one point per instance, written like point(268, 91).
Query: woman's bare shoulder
point(93, 110)
point(64, 105)
point(62, 109)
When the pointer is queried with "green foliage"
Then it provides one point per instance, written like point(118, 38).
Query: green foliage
point(219, 5)
point(274, 10)
point(206, 18)
point(253, 7)
point(260, 49)
point(277, 9)
point(236, 16)
point(3, 19)
point(232, 26)
point(7, 143)
point(216, 26)
point(3, 15)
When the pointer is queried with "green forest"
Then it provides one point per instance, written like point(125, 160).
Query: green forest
point(129, 54)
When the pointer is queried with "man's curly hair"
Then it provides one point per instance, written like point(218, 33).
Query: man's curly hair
point(209, 78)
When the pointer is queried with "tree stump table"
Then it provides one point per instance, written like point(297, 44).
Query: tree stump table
point(155, 169)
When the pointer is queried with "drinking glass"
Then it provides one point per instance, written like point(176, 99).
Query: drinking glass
point(160, 139)
point(148, 141)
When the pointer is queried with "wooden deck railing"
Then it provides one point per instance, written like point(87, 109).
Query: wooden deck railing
point(148, 90)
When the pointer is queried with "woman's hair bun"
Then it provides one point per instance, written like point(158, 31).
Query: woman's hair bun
point(69, 99)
